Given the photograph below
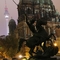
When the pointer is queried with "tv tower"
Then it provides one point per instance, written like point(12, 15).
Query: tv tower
point(6, 14)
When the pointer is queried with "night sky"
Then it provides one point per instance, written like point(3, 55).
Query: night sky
point(12, 9)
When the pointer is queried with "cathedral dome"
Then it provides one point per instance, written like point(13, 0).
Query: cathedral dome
point(12, 25)
point(12, 21)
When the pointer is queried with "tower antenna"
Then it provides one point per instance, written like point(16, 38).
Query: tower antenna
point(6, 14)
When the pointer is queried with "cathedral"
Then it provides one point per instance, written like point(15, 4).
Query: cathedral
point(40, 9)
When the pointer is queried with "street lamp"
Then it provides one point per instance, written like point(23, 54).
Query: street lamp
point(24, 58)
point(55, 44)
point(20, 56)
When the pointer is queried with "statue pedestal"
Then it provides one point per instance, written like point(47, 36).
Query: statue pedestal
point(43, 58)
point(47, 59)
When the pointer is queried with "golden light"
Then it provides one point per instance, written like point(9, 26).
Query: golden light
point(20, 56)
point(55, 44)
point(24, 58)
point(59, 51)
point(42, 43)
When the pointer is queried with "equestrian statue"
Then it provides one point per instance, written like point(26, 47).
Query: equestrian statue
point(40, 35)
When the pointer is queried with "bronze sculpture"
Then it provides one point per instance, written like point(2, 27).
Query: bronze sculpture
point(39, 35)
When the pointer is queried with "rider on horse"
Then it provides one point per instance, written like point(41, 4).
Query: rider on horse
point(39, 33)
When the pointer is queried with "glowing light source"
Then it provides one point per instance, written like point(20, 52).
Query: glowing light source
point(20, 56)
point(59, 51)
point(6, 16)
point(24, 58)
point(55, 44)
point(42, 43)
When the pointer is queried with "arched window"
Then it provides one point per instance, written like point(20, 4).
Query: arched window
point(42, 1)
point(37, 1)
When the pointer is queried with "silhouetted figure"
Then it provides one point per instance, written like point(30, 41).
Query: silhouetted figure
point(39, 34)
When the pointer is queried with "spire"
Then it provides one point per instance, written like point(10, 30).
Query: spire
point(6, 14)
point(6, 11)
point(5, 5)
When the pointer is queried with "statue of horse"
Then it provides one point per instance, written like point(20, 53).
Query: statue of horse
point(34, 42)
point(39, 35)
